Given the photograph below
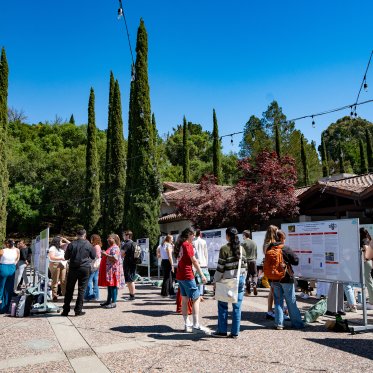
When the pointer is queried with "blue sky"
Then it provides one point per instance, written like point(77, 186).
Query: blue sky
point(235, 56)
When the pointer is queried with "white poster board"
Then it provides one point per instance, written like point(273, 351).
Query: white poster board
point(44, 246)
point(36, 254)
point(327, 250)
point(144, 244)
point(258, 238)
point(215, 239)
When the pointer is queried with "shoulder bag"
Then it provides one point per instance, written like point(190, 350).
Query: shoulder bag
point(226, 289)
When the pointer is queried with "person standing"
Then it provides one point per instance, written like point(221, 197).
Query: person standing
point(57, 265)
point(366, 248)
point(202, 256)
point(80, 253)
point(129, 263)
point(184, 251)
point(9, 257)
point(92, 291)
point(251, 255)
point(110, 271)
point(231, 257)
point(284, 287)
point(166, 251)
point(24, 261)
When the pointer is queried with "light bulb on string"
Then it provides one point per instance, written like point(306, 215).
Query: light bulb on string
point(351, 113)
point(120, 13)
point(313, 123)
point(232, 140)
point(355, 113)
point(366, 86)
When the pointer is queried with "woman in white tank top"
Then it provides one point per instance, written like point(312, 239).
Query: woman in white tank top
point(9, 257)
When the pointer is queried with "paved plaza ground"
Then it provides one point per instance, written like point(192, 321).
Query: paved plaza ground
point(147, 336)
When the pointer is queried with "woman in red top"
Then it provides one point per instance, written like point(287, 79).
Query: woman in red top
point(110, 272)
point(184, 251)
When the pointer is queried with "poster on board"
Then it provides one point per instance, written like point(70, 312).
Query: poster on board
point(44, 246)
point(36, 254)
point(144, 244)
point(215, 239)
point(258, 238)
point(327, 250)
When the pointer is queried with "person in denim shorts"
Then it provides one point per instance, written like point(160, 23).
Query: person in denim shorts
point(184, 251)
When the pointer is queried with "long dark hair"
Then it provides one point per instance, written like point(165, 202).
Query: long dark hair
point(234, 241)
point(56, 241)
point(364, 234)
point(181, 239)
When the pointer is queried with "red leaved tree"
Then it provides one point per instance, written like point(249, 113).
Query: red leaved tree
point(210, 208)
point(266, 189)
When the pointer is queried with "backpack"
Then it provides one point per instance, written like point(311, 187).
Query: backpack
point(274, 267)
point(137, 253)
point(24, 305)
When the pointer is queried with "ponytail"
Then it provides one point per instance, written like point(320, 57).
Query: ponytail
point(234, 241)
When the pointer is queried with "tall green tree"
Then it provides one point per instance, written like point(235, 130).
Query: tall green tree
point(368, 139)
point(216, 156)
point(306, 178)
point(186, 166)
point(92, 189)
point(117, 176)
point(108, 161)
point(72, 119)
point(145, 199)
point(341, 160)
point(324, 159)
point(129, 160)
point(4, 175)
point(363, 158)
point(277, 141)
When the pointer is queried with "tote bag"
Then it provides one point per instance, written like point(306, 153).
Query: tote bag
point(226, 290)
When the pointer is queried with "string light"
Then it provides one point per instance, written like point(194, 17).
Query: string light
point(313, 122)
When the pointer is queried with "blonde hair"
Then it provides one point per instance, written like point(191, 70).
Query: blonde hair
point(270, 237)
point(168, 238)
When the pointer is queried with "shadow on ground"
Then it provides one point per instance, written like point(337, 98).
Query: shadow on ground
point(152, 313)
point(359, 347)
point(128, 329)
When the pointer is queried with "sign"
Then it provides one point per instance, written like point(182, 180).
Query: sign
point(327, 250)
point(144, 244)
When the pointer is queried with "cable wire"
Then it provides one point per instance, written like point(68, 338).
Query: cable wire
point(364, 79)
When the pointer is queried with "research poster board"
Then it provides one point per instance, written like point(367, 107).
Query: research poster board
point(215, 239)
point(36, 254)
point(44, 246)
point(327, 250)
point(258, 238)
point(145, 254)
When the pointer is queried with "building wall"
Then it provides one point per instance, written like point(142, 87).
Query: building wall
point(175, 226)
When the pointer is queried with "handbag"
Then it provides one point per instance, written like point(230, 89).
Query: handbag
point(95, 265)
point(226, 289)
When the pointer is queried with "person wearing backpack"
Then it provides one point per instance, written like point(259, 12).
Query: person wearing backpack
point(278, 268)
point(129, 263)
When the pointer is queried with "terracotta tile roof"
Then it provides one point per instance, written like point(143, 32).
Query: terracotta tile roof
point(356, 184)
point(175, 192)
point(170, 218)
point(300, 191)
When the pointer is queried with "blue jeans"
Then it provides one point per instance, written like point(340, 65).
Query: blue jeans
point(92, 291)
point(236, 312)
point(349, 292)
point(287, 291)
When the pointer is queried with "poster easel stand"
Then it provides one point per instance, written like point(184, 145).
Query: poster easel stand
point(365, 327)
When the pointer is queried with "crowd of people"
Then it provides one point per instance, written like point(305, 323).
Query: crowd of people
point(85, 263)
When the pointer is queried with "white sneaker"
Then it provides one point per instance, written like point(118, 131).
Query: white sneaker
point(188, 329)
point(201, 329)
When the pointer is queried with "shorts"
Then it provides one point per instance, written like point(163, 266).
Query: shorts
point(188, 288)
point(129, 275)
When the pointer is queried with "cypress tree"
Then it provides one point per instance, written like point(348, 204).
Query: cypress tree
point(92, 191)
point(4, 175)
point(145, 199)
point(341, 163)
point(324, 159)
point(216, 156)
point(369, 150)
point(363, 158)
point(128, 188)
point(155, 132)
point(116, 177)
point(303, 155)
point(186, 167)
point(72, 119)
point(277, 141)
point(108, 163)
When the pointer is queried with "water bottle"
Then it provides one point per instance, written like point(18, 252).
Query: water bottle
point(359, 297)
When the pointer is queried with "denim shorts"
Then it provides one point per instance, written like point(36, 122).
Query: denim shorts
point(188, 288)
